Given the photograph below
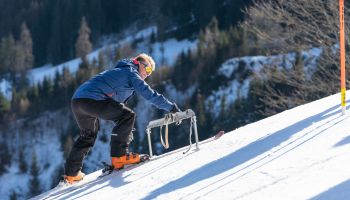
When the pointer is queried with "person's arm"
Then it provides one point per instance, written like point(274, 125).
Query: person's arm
point(143, 89)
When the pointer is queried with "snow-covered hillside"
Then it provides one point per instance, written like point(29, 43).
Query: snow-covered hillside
point(163, 53)
point(302, 153)
point(238, 88)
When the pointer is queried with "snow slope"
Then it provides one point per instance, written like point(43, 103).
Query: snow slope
point(238, 88)
point(172, 48)
point(302, 153)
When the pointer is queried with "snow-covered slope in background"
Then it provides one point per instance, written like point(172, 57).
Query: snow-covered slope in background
point(165, 53)
point(238, 87)
point(40, 138)
point(302, 153)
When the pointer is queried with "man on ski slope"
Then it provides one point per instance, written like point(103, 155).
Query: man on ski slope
point(103, 96)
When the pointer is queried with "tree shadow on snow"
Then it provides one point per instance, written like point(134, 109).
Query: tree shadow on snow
point(243, 155)
point(344, 141)
point(340, 191)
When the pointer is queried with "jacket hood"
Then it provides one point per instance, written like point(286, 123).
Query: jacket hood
point(125, 63)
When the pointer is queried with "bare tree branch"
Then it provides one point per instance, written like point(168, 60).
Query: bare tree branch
point(282, 26)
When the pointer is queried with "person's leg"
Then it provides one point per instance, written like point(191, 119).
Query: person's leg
point(89, 126)
point(124, 119)
point(87, 111)
point(121, 135)
point(121, 115)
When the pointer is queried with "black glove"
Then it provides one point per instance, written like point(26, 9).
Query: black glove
point(175, 109)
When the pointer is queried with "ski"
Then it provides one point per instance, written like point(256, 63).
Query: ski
point(215, 137)
point(64, 188)
point(218, 135)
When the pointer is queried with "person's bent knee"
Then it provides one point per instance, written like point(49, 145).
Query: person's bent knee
point(130, 115)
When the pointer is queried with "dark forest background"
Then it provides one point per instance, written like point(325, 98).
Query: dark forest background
point(54, 24)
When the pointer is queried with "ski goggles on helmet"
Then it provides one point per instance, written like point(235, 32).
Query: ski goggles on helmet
point(148, 68)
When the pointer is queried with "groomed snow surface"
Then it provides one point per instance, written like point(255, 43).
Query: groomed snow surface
point(302, 153)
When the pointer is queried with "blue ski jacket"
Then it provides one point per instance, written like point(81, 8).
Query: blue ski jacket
point(119, 84)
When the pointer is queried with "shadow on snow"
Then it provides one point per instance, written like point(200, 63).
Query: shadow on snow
point(340, 191)
point(243, 155)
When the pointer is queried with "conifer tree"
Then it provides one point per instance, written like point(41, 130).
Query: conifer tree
point(83, 45)
point(45, 92)
point(153, 37)
point(22, 163)
point(3, 51)
point(33, 96)
point(26, 44)
point(5, 157)
point(24, 54)
point(65, 81)
point(34, 185)
point(13, 196)
point(18, 68)
point(200, 108)
point(7, 53)
point(16, 57)
point(14, 101)
point(208, 38)
point(4, 107)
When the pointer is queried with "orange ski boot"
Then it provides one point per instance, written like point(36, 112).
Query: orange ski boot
point(72, 179)
point(129, 158)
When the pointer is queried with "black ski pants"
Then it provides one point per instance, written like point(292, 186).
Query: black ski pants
point(87, 113)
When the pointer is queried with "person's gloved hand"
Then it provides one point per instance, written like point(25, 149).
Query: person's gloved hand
point(175, 109)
